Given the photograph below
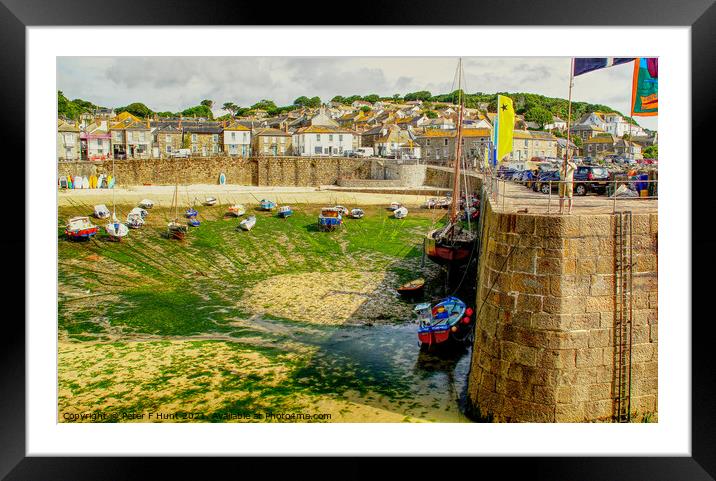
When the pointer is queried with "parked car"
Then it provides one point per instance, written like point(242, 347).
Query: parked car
point(591, 178)
point(543, 181)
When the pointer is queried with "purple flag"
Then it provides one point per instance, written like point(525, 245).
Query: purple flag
point(584, 65)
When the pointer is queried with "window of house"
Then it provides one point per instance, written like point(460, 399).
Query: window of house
point(216, 138)
point(194, 149)
point(330, 137)
point(340, 137)
point(446, 141)
point(167, 138)
point(233, 135)
point(318, 137)
point(193, 137)
point(169, 149)
point(283, 140)
point(216, 148)
point(244, 137)
point(428, 142)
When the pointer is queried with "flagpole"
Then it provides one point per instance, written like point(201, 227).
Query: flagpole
point(569, 117)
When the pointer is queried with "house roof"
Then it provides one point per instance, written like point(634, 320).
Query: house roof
point(236, 126)
point(272, 132)
point(601, 139)
point(204, 128)
point(322, 129)
point(63, 126)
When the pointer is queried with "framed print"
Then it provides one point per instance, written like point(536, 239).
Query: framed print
point(428, 237)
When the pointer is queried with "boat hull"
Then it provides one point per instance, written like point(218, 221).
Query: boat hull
point(82, 233)
point(457, 253)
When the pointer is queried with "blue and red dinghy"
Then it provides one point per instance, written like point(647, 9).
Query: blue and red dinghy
point(436, 323)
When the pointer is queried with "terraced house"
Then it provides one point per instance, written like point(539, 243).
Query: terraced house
point(68, 141)
point(203, 138)
point(271, 142)
point(167, 140)
point(130, 137)
point(322, 140)
point(527, 144)
point(237, 140)
point(438, 145)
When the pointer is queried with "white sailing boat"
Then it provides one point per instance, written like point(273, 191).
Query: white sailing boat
point(115, 229)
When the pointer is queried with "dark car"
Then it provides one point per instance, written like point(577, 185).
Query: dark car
point(543, 181)
point(591, 178)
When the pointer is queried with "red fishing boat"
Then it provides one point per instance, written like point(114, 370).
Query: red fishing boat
point(80, 228)
point(453, 244)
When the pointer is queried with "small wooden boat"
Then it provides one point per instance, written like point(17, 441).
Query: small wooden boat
point(343, 210)
point(267, 204)
point(237, 210)
point(395, 206)
point(413, 288)
point(101, 211)
point(191, 212)
point(210, 201)
point(248, 223)
point(436, 323)
point(177, 230)
point(400, 213)
point(80, 228)
point(146, 204)
point(135, 220)
point(116, 230)
point(285, 211)
point(357, 213)
point(330, 218)
point(193, 222)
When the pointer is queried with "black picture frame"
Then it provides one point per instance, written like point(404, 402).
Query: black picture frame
point(700, 15)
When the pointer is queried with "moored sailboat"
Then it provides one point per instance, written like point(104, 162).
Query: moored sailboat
point(453, 244)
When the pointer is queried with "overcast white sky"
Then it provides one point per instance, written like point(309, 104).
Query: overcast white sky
point(175, 83)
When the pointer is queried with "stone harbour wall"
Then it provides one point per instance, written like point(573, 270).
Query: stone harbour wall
point(545, 340)
point(258, 171)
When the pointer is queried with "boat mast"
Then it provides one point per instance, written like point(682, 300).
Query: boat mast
point(458, 149)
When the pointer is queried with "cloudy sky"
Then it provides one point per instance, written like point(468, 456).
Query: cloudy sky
point(175, 83)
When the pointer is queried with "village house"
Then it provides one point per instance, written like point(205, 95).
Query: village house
point(167, 139)
point(138, 140)
point(237, 140)
point(599, 146)
point(361, 103)
point(395, 142)
point(203, 138)
point(438, 145)
point(322, 140)
point(627, 149)
point(68, 141)
point(527, 144)
point(271, 142)
point(95, 141)
point(556, 124)
point(562, 147)
point(585, 131)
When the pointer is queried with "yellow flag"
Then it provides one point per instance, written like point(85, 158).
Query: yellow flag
point(505, 126)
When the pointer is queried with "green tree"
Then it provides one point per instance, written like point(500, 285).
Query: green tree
point(207, 103)
point(339, 99)
point(264, 104)
point(198, 111)
point(230, 107)
point(314, 102)
point(540, 115)
point(431, 114)
point(365, 109)
point(302, 101)
point(420, 95)
point(372, 98)
point(651, 152)
point(136, 108)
